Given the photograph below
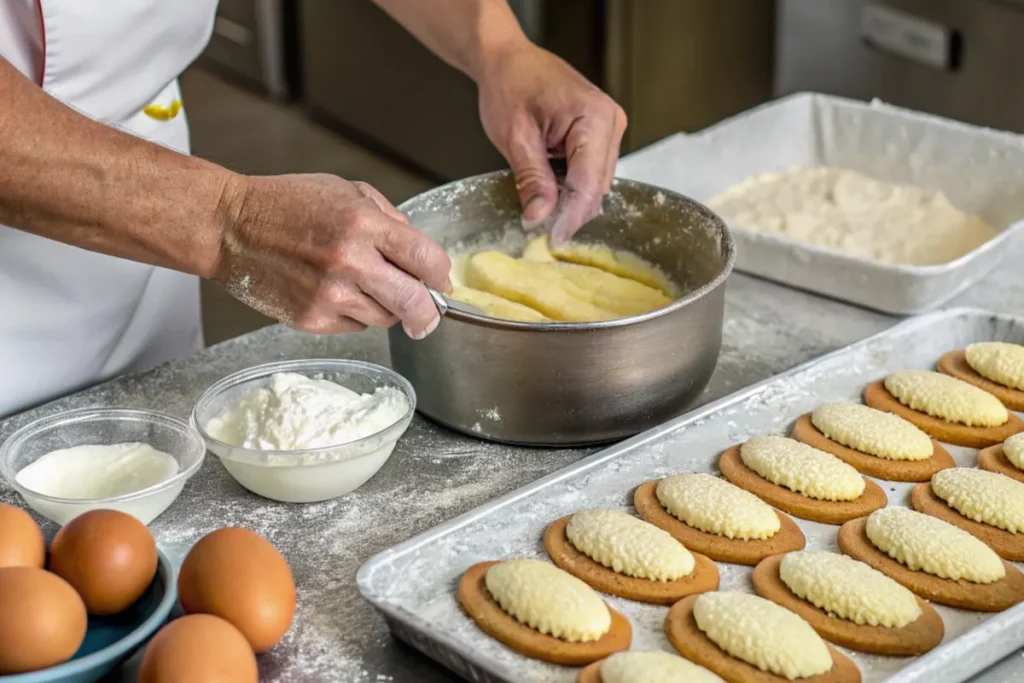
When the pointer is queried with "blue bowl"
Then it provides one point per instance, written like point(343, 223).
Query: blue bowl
point(109, 641)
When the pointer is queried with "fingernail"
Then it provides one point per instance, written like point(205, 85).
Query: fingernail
point(535, 212)
point(423, 335)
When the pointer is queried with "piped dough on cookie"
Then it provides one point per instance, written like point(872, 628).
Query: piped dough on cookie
point(917, 550)
point(746, 639)
point(628, 545)
point(987, 505)
point(946, 398)
point(871, 431)
point(998, 362)
point(650, 666)
point(718, 507)
point(874, 442)
point(716, 518)
point(548, 600)
point(798, 467)
point(761, 633)
point(944, 407)
point(801, 480)
point(996, 367)
point(923, 543)
point(849, 602)
point(542, 611)
point(849, 589)
point(619, 554)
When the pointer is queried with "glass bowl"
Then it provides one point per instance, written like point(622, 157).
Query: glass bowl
point(102, 426)
point(311, 475)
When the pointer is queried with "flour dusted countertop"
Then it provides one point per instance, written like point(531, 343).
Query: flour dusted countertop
point(435, 474)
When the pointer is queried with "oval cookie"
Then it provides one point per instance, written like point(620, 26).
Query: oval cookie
point(872, 465)
point(639, 666)
point(955, 365)
point(995, 459)
point(703, 577)
point(914, 638)
point(717, 547)
point(982, 597)
point(684, 634)
point(826, 511)
point(1007, 544)
point(877, 396)
point(483, 609)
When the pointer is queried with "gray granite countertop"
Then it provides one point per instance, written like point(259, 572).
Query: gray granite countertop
point(435, 474)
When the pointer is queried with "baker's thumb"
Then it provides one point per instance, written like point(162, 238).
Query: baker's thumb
point(535, 181)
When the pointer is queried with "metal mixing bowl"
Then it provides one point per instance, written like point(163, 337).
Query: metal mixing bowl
point(571, 383)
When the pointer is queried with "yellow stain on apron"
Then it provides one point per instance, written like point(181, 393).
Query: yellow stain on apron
point(162, 113)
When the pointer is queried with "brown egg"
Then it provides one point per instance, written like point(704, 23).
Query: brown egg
point(238, 575)
point(198, 648)
point(42, 620)
point(109, 557)
point(21, 541)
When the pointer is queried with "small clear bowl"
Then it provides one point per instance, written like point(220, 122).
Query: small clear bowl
point(311, 475)
point(101, 426)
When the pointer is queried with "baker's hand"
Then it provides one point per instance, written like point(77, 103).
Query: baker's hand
point(326, 255)
point(532, 103)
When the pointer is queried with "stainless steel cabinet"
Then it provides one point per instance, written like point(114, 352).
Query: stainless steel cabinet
point(254, 41)
point(958, 58)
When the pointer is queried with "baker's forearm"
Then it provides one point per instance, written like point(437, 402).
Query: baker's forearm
point(68, 178)
point(462, 32)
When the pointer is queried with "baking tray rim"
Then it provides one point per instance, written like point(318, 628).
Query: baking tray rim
point(995, 624)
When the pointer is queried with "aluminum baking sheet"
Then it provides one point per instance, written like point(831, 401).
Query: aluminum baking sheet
point(981, 170)
point(414, 583)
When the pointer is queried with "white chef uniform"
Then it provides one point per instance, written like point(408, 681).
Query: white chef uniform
point(70, 317)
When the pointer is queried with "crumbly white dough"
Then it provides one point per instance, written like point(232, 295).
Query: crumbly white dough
point(982, 496)
point(871, 431)
point(628, 545)
point(927, 544)
point(762, 634)
point(801, 468)
point(717, 506)
point(998, 361)
point(848, 589)
point(946, 398)
point(638, 666)
point(1014, 450)
point(847, 211)
point(295, 412)
point(549, 600)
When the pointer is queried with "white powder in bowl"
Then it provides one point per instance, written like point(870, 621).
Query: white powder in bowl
point(295, 412)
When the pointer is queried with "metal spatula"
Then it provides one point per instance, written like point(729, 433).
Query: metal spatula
point(445, 303)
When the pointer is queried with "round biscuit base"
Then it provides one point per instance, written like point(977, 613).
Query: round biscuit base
point(1007, 545)
point(682, 631)
point(797, 504)
point(500, 625)
point(702, 579)
point(981, 597)
point(993, 459)
point(872, 465)
point(955, 365)
point(877, 396)
point(718, 548)
point(915, 638)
